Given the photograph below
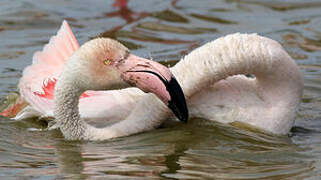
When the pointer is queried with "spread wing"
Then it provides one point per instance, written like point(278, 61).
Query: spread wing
point(38, 80)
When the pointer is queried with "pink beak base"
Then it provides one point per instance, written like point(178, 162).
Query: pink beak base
point(150, 76)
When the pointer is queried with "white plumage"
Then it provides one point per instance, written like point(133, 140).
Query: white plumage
point(214, 83)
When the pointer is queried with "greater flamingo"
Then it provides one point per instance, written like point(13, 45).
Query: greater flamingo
point(216, 86)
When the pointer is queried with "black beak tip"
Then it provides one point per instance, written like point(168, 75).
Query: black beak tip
point(180, 112)
point(177, 103)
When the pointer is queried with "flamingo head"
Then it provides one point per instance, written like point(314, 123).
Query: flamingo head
point(111, 65)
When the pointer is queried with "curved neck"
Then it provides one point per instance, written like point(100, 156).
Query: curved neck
point(66, 99)
point(145, 116)
point(235, 54)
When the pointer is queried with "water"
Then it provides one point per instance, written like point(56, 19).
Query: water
point(164, 31)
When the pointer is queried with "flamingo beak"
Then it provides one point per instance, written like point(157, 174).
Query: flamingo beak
point(150, 76)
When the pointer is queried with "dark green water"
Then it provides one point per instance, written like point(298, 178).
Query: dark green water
point(164, 30)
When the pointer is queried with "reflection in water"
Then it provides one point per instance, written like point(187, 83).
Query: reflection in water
point(70, 159)
point(165, 30)
point(226, 153)
point(125, 13)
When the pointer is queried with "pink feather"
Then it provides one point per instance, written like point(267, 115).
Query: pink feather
point(38, 80)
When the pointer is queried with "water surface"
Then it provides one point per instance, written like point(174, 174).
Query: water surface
point(164, 31)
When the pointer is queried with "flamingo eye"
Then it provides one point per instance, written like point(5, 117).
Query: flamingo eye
point(107, 62)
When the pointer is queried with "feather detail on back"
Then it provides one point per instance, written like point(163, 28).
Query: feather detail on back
point(38, 80)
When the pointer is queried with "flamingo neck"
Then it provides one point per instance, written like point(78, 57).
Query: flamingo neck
point(66, 111)
point(236, 54)
point(278, 82)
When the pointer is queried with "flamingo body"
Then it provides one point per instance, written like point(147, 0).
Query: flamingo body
point(212, 77)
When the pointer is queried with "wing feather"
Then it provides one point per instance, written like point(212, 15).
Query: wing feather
point(38, 80)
